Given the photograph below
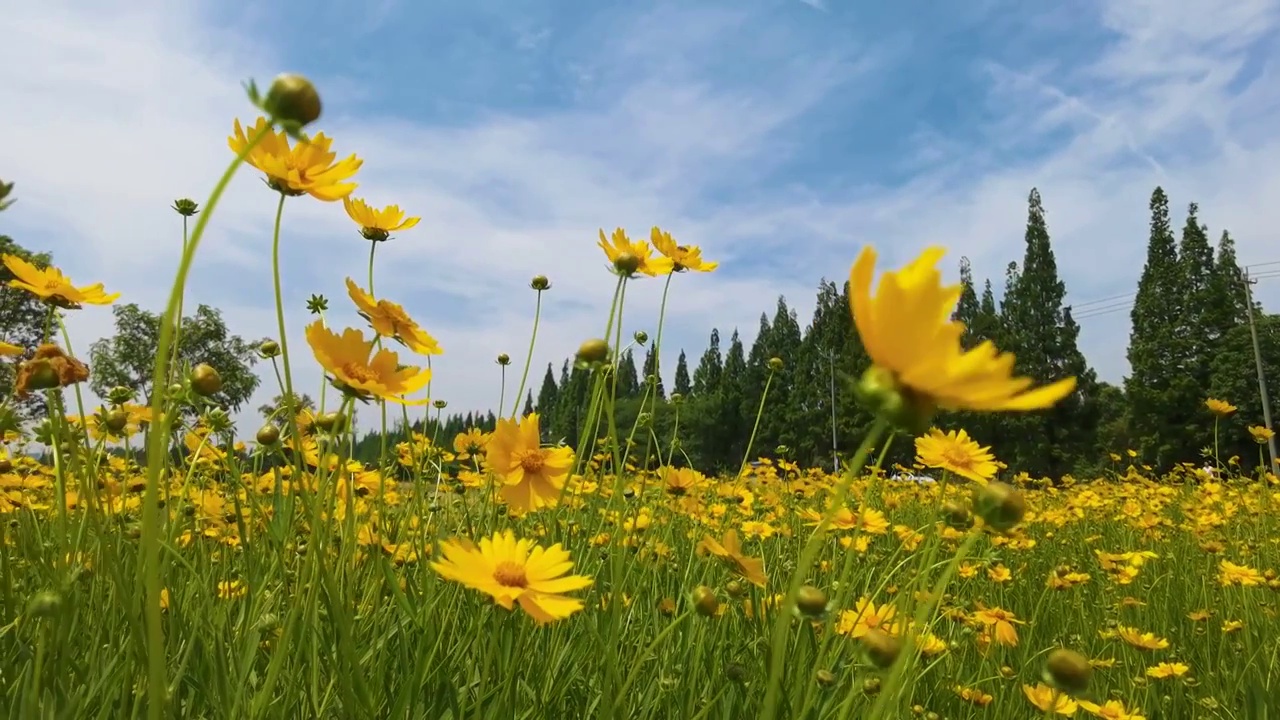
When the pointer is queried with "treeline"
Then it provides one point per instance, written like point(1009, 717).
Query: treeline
point(1190, 340)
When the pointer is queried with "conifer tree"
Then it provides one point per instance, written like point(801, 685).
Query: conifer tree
point(706, 377)
point(547, 396)
point(1227, 307)
point(968, 307)
point(1156, 388)
point(627, 379)
point(682, 383)
point(652, 375)
point(528, 405)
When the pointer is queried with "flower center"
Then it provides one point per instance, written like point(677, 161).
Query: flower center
point(957, 457)
point(510, 574)
point(530, 460)
point(356, 372)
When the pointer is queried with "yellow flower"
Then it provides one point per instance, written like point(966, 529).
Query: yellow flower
point(1261, 434)
point(683, 257)
point(630, 257)
point(956, 452)
point(306, 168)
point(1230, 573)
point(346, 357)
point(1043, 697)
point(377, 225)
point(1002, 621)
point(532, 476)
point(1112, 710)
point(1139, 639)
point(390, 320)
point(914, 345)
point(1166, 670)
point(865, 617)
point(1221, 408)
point(515, 571)
point(51, 286)
point(729, 552)
point(10, 350)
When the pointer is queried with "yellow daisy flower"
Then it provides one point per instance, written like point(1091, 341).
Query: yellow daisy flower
point(346, 358)
point(684, 257)
point(919, 364)
point(630, 257)
point(390, 320)
point(377, 225)
point(305, 168)
point(515, 571)
point(958, 453)
point(51, 286)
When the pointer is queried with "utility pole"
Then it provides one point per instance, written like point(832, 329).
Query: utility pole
point(1262, 376)
point(835, 455)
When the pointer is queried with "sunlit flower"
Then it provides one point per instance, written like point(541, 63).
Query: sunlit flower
point(1167, 670)
point(346, 357)
point(305, 168)
point(1002, 623)
point(532, 476)
point(683, 257)
point(918, 362)
point(377, 225)
point(629, 257)
point(51, 286)
point(1139, 639)
point(1044, 697)
point(10, 350)
point(1221, 408)
point(390, 320)
point(865, 617)
point(1261, 434)
point(1230, 573)
point(729, 552)
point(1111, 710)
point(515, 571)
point(956, 452)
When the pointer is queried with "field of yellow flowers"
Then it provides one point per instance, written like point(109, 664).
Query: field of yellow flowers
point(506, 578)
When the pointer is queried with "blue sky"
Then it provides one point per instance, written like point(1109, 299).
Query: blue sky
point(781, 136)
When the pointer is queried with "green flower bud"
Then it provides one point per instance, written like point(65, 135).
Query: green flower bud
point(540, 283)
point(205, 380)
point(705, 601)
point(593, 352)
point(1000, 505)
point(292, 99)
point(185, 207)
point(1068, 670)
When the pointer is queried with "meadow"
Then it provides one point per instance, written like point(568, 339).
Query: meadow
point(155, 567)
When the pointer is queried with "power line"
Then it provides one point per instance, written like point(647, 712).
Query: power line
point(1121, 306)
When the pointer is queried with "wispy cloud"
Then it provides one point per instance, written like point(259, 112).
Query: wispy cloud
point(777, 142)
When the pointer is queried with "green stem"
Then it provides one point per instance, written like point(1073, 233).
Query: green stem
point(157, 441)
point(811, 549)
point(756, 427)
point(528, 358)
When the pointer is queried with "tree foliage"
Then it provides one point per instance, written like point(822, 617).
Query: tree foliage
point(23, 321)
point(128, 358)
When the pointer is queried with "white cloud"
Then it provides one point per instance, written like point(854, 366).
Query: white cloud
point(112, 112)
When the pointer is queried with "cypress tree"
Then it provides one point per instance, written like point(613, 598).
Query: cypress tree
point(969, 307)
point(682, 383)
point(547, 396)
point(627, 379)
point(651, 374)
point(706, 377)
point(1226, 308)
point(1153, 388)
point(528, 406)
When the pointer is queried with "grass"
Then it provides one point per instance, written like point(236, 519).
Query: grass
point(211, 581)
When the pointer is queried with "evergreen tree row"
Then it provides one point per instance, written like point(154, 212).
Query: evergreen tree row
point(1190, 340)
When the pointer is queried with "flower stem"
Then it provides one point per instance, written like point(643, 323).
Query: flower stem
point(158, 440)
point(528, 358)
point(807, 556)
point(756, 427)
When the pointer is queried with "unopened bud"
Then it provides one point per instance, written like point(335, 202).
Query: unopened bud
point(268, 435)
point(1000, 505)
point(641, 337)
point(185, 207)
point(704, 601)
point(205, 380)
point(292, 98)
point(1068, 671)
point(593, 352)
point(504, 359)
point(540, 283)
point(269, 349)
point(775, 364)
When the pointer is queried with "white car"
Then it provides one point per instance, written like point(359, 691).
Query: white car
point(912, 477)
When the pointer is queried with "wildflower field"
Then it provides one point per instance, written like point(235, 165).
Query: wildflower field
point(155, 567)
